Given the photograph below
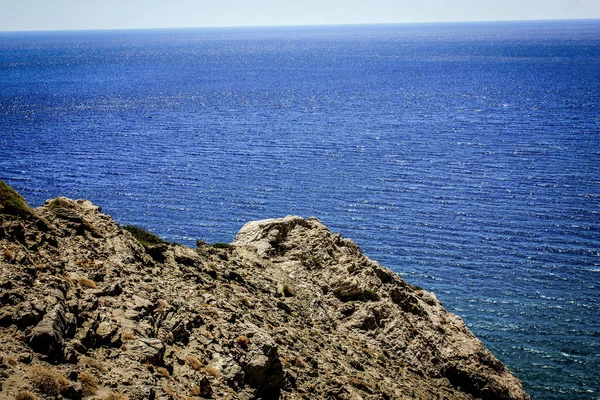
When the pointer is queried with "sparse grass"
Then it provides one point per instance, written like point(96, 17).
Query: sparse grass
point(89, 384)
point(85, 282)
point(143, 236)
point(200, 243)
point(47, 380)
point(26, 395)
point(127, 335)
point(220, 245)
point(243, 341)
point(194, 363)
point(12, 202)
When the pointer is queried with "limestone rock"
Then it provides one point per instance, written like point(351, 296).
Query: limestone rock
point(289, 310)
point(48, 336)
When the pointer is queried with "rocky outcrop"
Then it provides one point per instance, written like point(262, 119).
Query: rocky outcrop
point(289, 310)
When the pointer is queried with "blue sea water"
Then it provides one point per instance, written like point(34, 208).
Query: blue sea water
point(466, 157)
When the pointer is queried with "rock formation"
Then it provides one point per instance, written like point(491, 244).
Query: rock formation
point(289, 310)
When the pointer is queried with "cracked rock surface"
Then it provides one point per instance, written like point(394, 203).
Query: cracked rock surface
point(289, 310)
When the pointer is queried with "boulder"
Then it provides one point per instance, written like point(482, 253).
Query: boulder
point(146, 350)
point(49, 334)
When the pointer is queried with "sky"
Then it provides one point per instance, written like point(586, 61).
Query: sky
point(17, 15)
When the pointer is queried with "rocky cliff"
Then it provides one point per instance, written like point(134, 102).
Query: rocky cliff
point(288, 310)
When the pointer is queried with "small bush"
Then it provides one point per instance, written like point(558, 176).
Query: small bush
point(212, 371)
point(59, 202)
point(194, 363)
point(243, 341)
point(163, 306)
point(195, 390)
point(47, 380)
point(85, 282)
point(200, 243)
point(143, 236)
point(89, 384)
point(12, 202)
point(26, 395)
point(9, 255)
point(220, 245)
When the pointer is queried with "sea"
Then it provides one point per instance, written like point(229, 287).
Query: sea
point(464, 156)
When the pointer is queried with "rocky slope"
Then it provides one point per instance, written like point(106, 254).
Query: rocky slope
point(288, 310)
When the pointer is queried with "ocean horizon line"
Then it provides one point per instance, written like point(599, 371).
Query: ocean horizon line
point(324, 25)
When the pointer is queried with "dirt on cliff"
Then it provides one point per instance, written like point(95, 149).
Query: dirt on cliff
point(289, 310)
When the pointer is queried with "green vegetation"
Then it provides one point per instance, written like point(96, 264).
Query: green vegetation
point(220, 245)
point(143, 236)
point(415, 287)
point(59, 203)
point(12, 202)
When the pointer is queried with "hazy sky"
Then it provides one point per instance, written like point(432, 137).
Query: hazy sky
point(110, 14)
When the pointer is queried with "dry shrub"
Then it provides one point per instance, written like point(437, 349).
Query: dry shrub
point(85, 282)
point(26, 395)
point(210, 370)
point(170, 392)
point(47, 380)
point(246, 302)
point(243, 341)
point(116, 396)
point(358, 383)
point(195, 391)
point(9, 255)
point(162, 306)
point(298, 362)
point(194, 363)
point(89, 384)
point(285, 362)
point(163, 371)
point(127, 335)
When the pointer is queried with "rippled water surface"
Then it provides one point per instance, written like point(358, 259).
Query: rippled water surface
point(466, 157)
